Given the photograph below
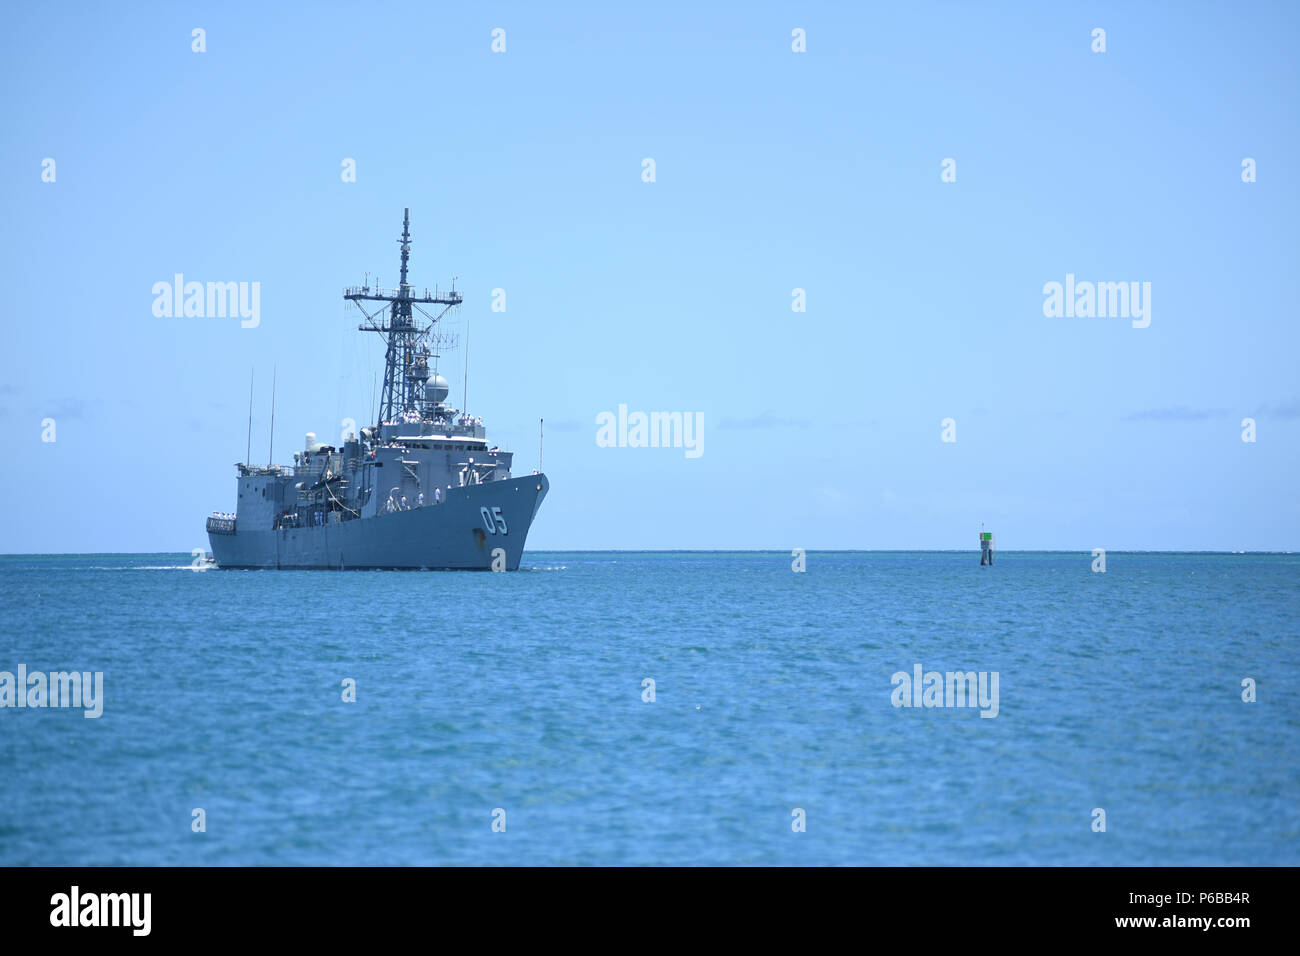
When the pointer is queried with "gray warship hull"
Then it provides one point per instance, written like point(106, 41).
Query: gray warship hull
point(419, 488)
point(450, 535)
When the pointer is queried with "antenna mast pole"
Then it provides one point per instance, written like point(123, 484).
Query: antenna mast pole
point(248, 452)
point(270, 452)
point(406, 360)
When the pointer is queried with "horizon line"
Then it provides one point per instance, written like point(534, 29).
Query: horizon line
point(90, 554)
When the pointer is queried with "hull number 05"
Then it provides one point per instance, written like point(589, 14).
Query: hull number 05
point(493, 520)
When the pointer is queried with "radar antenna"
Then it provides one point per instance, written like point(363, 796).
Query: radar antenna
point(406, 363)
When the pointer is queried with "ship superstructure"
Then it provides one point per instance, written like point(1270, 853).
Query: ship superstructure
point(419, 488)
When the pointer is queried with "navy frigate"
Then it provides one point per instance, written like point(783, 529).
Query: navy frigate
point(418, 489)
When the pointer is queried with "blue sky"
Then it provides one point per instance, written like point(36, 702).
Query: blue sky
point(775, 170)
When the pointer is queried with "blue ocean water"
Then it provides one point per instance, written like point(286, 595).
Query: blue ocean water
point(523, 692)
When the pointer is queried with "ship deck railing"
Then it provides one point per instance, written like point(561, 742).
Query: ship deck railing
point(446, 296)
point(271, 471)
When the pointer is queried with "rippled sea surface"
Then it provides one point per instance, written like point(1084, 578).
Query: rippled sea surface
point(523, 693)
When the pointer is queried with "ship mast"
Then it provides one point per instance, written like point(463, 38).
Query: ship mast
point(406, 363)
